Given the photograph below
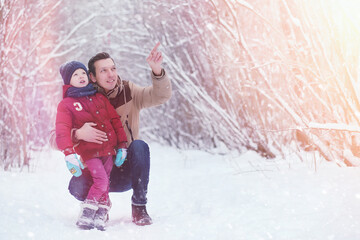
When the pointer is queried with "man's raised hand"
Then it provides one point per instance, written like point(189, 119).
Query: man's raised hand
point(155, 59)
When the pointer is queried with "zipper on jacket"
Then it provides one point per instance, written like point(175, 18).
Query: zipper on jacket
point(127, 125)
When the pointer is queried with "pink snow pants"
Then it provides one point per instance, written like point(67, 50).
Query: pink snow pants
point(100, 169)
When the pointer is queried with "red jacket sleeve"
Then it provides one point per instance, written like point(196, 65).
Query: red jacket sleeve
point(116, 123)
point(63, 129)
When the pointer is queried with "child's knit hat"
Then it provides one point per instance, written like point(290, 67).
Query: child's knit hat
point(67, 70)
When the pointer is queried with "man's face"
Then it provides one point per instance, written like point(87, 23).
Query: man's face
point(106, 75)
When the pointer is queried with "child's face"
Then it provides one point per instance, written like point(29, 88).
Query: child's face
point(79, 78)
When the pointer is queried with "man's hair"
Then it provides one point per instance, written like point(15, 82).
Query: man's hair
point(97, 57)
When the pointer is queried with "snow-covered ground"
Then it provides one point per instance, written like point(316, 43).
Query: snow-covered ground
point(193, 195)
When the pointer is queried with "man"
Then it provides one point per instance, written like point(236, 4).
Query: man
point(128, 99)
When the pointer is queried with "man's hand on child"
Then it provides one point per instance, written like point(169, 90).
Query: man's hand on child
point(74, 164)
point(89, 133)
point(120, 157)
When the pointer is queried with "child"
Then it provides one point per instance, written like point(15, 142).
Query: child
point(82, 104)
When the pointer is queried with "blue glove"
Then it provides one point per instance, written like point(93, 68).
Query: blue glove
point(74, 164)
point(120, 157)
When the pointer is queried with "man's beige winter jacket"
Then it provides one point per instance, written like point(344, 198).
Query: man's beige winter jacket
point(128, 99)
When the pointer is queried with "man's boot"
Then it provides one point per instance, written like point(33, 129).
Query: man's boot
point(101, 217)
point(140, 216)
point(87, 214)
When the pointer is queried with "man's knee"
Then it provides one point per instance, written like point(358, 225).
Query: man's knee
point(79, 186)
point(139, 150)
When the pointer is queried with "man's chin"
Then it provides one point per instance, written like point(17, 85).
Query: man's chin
point(109, 87)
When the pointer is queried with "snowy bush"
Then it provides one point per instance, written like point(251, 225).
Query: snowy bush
point(264, 75)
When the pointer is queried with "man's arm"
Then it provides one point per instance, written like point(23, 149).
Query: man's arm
point(154, 60)
point(86, 133)
point(89, 133)
point(160, 90)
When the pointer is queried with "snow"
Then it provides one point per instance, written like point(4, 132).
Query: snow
point(194, 195)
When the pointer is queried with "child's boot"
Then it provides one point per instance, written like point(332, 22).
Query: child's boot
point(87, 214)
point(101, 217)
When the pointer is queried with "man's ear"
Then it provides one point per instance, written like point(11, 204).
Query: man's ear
point(92, 77)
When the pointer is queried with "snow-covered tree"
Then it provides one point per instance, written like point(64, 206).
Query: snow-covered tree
point(26, 38)
point(263, 75)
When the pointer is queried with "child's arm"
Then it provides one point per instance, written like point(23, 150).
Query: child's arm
point(63, 129)
point(116, 123)
point(64, 141)
point(121, 135)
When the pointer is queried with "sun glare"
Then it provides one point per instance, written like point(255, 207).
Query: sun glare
point(344, 17)
point(348, 10)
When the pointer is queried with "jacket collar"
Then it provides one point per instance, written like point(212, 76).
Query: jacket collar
point(65, 88)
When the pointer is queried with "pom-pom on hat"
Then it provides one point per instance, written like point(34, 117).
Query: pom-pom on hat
point(67, 70)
